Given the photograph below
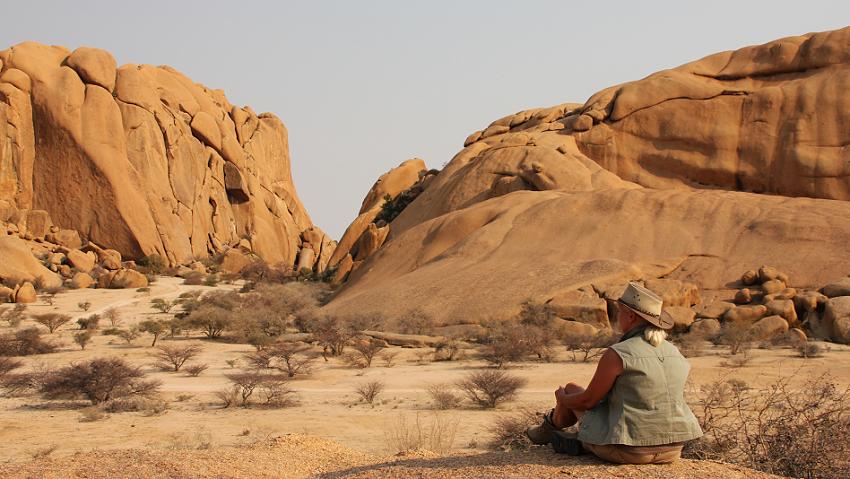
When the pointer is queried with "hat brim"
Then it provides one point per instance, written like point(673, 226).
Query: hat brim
point(663, 321)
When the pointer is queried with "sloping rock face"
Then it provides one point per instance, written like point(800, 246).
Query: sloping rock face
point(142, 160)
point(630, 185)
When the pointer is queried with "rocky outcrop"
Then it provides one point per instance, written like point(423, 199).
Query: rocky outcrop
point(142, 160)
point(657, 178)
point(361, 238)
point(17, 264)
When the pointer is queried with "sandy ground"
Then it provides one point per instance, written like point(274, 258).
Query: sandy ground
point(328, 407)
point(298, 456)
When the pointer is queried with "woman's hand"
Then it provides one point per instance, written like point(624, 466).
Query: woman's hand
point(560, 396)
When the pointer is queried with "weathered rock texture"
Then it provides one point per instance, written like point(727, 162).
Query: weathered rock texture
point(142, 160)
point(694, 174)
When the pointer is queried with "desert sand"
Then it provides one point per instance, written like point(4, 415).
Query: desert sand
point(328, 407)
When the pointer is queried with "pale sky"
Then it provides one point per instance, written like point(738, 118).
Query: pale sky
point(364, 85)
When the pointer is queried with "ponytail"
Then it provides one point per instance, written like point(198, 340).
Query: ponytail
point(654, 335)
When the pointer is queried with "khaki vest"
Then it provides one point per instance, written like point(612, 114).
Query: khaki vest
point(646, 405)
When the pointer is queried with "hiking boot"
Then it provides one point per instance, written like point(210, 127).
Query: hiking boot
point(566, 443)
point(543, 433)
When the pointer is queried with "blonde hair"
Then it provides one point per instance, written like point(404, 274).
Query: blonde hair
point(654, 335)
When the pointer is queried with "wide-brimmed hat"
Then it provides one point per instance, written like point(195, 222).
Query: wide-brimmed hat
point(646, 304)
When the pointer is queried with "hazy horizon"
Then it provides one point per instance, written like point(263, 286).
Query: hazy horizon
point(364, 86)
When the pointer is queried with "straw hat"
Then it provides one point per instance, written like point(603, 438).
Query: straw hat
point(646, 304)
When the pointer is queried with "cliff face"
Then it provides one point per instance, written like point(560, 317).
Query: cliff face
point(696, 173)
point(143, 160)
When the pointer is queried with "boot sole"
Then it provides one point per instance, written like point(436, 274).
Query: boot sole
point(564, 443)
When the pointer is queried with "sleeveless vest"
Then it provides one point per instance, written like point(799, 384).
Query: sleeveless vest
point(646, 404)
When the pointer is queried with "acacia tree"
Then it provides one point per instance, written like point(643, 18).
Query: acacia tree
point(293, 357)
point(172, 357)
point(154, 328)
point(51, 321)
point(98, 380)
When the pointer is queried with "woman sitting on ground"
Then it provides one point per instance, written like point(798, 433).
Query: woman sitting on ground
point(633, 411)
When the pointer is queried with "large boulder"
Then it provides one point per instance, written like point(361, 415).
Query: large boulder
point(66, 238)
point(17, 264)
point(674, 292)
point(745, 314)
point(836, 319)
point(26, 293)
point(682, 317)
point(125, 278)
point(81, 261)
point(582, 307)
point(161, 164)
point(705, 327)
point(837, 288)
point(7, 295)
point(234, 261)
point(769, 327)
point(81, 281)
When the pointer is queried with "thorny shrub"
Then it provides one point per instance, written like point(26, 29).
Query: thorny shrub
point(488, 389)
point(98, 380)
point(796, 431)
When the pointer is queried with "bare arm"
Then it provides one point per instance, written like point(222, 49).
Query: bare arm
point(609, 368)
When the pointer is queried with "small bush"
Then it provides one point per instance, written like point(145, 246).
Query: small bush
point(149, 406)
point(810, 350)
point(8, 365)
point(369, 391)
point(113, 316)
point(736, 335)
point(508, 432)
point(228, 396)
point(84, 306)
point(90, 323)
point(259, 359)
point(364, 353)
point(98, 380)
point(194, 278)
point(110, 332)
point(152, 263)
point(82, 339)
point(446, 350)
point(92, 414)
point(416, 322)
point(588, 346)
point(13, 315)
point(52, 321)
point(24, 343)
point(791, 431)
point(293, 358)
point(437, 435)
point(443, 396)
point(173, 357)
point(487, 389)
point(389, 358)
point(129, 335)
point(272, 388)
point(211, 319)
point(163, 306)
point(195, 370)
point(211, 280)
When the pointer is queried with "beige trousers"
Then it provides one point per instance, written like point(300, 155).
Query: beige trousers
point(622, 454)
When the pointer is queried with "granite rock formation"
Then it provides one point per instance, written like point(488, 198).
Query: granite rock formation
point(692, 174)
point(141, 160)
